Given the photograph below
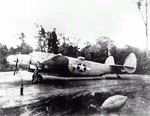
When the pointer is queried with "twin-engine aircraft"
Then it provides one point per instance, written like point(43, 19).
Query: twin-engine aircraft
point(68, 67)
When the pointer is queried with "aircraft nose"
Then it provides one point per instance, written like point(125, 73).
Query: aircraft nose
point(11, 59)
point(40, 65)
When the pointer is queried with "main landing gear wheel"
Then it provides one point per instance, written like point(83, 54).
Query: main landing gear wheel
point(37, 79)
point(119, 77)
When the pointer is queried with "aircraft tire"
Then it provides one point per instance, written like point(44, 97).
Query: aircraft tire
point(37, 79)
point(119, 77)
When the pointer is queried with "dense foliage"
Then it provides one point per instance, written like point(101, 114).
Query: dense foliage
point(47, 41)
point(23, 48)
point(68, 48)
point(3, 54)
point(106, 47)
point(103, 48)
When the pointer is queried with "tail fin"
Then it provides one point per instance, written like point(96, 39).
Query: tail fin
point(110, 61)
point(130, 63)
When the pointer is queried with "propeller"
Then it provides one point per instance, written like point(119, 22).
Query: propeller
point(16, 66)
point(28, 66)
point(39, 65)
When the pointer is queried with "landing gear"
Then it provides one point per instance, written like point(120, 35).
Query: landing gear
point(118, 76)
point(37, 79)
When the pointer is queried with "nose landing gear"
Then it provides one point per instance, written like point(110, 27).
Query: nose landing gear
point(36, 77)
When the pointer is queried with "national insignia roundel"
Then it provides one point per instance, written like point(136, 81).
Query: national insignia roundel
point(81, 67)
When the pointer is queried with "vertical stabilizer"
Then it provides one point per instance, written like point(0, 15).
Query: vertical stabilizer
point(110, 61)
point(130, 63)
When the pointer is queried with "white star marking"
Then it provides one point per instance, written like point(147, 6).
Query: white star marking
point(82, 67)
point(46, 66)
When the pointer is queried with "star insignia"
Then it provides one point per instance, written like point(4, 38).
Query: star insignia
point(81, 67)
point(45, 66)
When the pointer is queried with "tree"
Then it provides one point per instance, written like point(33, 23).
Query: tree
point(3, 55)
point(47, 41)
point(98, 52)
point(23, 48)
point(41, 37)
point(54, 42)
point(68, 48)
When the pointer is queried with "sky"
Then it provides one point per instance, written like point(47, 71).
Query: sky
point(87, 20)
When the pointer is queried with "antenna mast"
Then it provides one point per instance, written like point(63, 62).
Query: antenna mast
point(146, 25)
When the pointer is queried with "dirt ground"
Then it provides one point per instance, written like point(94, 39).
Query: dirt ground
point(72, 97)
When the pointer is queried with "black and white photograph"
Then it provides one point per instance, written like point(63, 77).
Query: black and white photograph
point(75, 58)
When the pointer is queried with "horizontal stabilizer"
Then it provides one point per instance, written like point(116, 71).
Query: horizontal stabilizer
point(130, 64)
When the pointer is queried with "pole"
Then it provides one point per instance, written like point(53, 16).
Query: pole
point(21, 87)
point(21, 83)
point(145, 20)
point(146, 24)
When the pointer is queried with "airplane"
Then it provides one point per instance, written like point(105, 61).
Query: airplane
point(67, 67)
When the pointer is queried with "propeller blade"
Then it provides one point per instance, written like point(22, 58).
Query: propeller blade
point(38, 64)
point(29, 64)
point(16, 66)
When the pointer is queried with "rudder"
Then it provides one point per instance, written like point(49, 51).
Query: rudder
point(130, 63)
point(110, 61)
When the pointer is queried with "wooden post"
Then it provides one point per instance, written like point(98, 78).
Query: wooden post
point(21, 83)
point(21, 87)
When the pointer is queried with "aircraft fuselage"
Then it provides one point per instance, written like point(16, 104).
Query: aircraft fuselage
point(72, 66)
